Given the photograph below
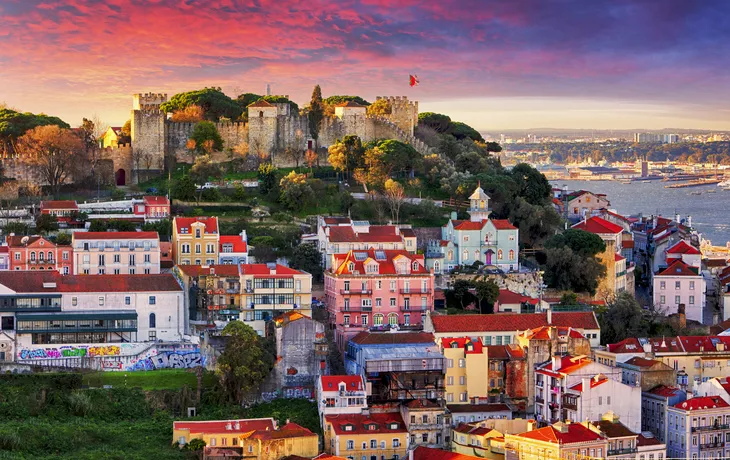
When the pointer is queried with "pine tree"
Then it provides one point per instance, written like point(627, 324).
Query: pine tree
point(316, 112)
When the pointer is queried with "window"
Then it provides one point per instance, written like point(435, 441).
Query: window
point(677, 285)
point(186, 248)
point(364, 320)
point(147, 258)
point(101, 301)
point(396, 443)
point(462, 397)
point(197, 233)
point(350, 444)
point(17, 256)
point(450, 363)
point(127, 300)
point(209, 248)
point(662, 285)
point(346, 320)
point(131, 259)
point(677, 299)
point(74, 301)
point(500, 254)
point(197, 248)
point(462, 362)
point(392, 301)
point(691, 300)
point(424, 437)
point(662, 299)
point(378, 301)
point(450, 380)
point(373, 444)
point(466, 255)
point(692, 285)
point(153, 321)
point(462, 380)
point(117, 258)
point(392, 286)
point(153, 300)
point(65, 255)
point(450, 397)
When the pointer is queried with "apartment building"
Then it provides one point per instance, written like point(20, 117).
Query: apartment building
point(233, 249)
point(681, 286)
point(270, 290)
point(699, 428)
point(593, 397)
point(116, 253)
point(39, 253)
point(195, 240)
point(369, 434)
point(428, 423)
point(340, 394)
point(153, 208)
point(654, 404)
point(212, 292)
point(377, 289)
point(562, 440)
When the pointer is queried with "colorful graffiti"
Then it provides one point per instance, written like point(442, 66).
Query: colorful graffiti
point(169, 360)
point(288, 392)
point(69, 351)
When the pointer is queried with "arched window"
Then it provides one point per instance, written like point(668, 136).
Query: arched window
point(415, 266)
point(481, 204)
point(393, 319)
point(377, 319)
point(41, 256)
point(153, 321)
point(511, 254)
point(451, 255)
point(437, 267)
point(500, 254)
point(32, 256)
point(466, 255)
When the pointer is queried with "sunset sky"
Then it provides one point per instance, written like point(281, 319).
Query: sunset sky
point(493, 64)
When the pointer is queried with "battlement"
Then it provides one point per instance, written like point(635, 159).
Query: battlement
point(148, 101)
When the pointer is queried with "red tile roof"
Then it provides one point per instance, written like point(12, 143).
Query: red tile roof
point(642, 441)
point(702, 402)
point(332, 382)
point(32, 282)
point(375, 234)
point(204, 270)
point(219, 426)
point(497, 351)
point(153, 200)
point(618, 257)
point(290, 430)
point(115, 235)
point(261, 103)
point(263, 269)
point(665, 391)
point(546, 332)
point(358, 422)
point(511, 322)
point(211, 224)
point(507, 297)
point(638, 361)
point(576, 433)
point(385, 338)
point(59, 204)
point(660, 344)
point(16, 241)
point(568, 365)
point(595, 381)
point(503, 224)
point(337, 220)
point(468, 225)
point(429, 453)
point(682, 247)
point(386, 266)
point(599, 226)
point(238, 244)
point(679, 268)
point(461, 342)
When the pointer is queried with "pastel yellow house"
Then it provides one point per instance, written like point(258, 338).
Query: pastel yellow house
point(467, 368)
point(558, 442)
point(381, 435)
point(485, 439)
point(195, 240)
point(250, 438)
point(111, 137)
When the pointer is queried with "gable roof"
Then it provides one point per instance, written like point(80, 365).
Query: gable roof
point(679, 268)
point(33, 282)
point(375, 234)
point(702, 402)
point(16, 241)
point(332, 382)
point(665, 391)
point(511, 322)
point(507, 297)
point(575, 433)
point(261, 103)
point(502, 224)
point(598, 225)
point(155, 200)
point(638, 361)
point(681, 247)
point(386, 266)
point(594, 382)
point(568, 365)
point(59, 204)
point(211, 224)
point(461, 342)
point(547, 332)
point(235, 240)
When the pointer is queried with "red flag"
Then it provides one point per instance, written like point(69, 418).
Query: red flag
point(413, 80)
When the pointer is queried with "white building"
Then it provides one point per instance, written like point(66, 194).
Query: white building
point(680, 284)
point(116, 253)
point(593, 397)
point(340, 394)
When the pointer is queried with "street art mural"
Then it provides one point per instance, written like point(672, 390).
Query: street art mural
point(69, 351)
point(169, 360)
point(288, 392)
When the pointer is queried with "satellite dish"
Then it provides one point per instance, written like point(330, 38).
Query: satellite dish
point(25, 240)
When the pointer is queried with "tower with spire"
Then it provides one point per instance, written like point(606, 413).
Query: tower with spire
point(479, 205)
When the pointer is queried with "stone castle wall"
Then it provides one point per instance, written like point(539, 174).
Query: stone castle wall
point(178, 133)
point(404, 113)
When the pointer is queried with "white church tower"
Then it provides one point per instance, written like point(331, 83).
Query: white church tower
point(479, 205)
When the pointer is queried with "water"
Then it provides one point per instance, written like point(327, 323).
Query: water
point(710, 211)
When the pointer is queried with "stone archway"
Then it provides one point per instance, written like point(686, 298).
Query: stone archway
point(121, 177)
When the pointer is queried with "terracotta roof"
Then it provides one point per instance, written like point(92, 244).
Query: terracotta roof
point(16, 241)
point(375, 234)
point(337, 220)
point(665, 391)
point(507, 297)
point(429, 453)
point(290, 430)
point(115, 236)
point(204, 270)
point(502, 224)
point(595, 381)
point(385, 338)
point(238, 244)
point(328, 457)
point(614, 429)
point(407, 233)
point(575, 433)
point(700, 344)
point(679, 268)
point(219, 426)
point(659, 344)
point(260, 103)
point(59, 204)
point(497, 351)
point(642, 362)
point(358, 422)
point(386, 265)
point(211, 224)
point(627, 244)
point(681, 247)
point(349, 104)
point(263, 269)
point(422, 404)
point(461, 342)
point(468, 225)
point(568, 365)
point(511, 322)
point(457, 408)
point(721, 327)
point(598, 225)
point(618, 257)
point(702, 402)
point(332, 382)
point(32, 282)
point(153, 200)
point(642, 441)
point(546, 332)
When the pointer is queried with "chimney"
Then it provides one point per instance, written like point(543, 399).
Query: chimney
point(556, 361)
point(689, 221)
point(550, 316)
point(244, 237)
point(677, 218)
point(586, 382)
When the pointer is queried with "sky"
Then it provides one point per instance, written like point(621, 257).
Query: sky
point(494, 64)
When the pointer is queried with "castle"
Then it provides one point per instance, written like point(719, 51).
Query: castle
point(271, 128)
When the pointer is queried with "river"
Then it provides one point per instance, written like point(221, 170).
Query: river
point(710, 211)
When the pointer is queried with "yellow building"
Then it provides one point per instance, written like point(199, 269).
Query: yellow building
point(268, 291)
point(467, 369)
point(195, 240)
point(249, 438)
point(486, 438)
point(381, 435)
point(558, 442)
point(111, 137)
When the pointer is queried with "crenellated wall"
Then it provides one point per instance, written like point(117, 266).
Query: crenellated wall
point(178, 133)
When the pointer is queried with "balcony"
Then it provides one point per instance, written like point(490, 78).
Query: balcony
point(415, 291)
point(710, 427)
point(41, 261)
point(624, 451)
point(573, 407)
point(712, 445)
point(414, 308)
point(356, 291)
point(357, 308)
point(539, 399)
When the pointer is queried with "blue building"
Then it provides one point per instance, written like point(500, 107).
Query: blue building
point(698, 428)
point(493, 242)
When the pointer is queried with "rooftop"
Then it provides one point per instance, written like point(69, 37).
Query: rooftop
point(429, 453)
point(599, 226)
point(153, 200)
point(385, 260)
point(59, 204)
point(222, 426)
point(511, 322)
point(507, 297)
point(237, 243)
point(115, 236)
point(614, 429)
point(180, 223)
point(263, 269)
point(563, 433)
point(380, 423)
point(701, 403)
point(682, 247)
point(475, 346)
point(332, 382)
point(568, 365)
point(679, 268)
point(53, 281)
point(204, 270)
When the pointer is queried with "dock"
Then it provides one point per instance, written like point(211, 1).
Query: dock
point(694, 183)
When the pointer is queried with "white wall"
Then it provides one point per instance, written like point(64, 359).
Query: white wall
point(625, 402)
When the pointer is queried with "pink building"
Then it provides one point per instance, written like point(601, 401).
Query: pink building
point(377, 289)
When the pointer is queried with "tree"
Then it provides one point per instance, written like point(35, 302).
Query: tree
point(568, 299)
point(267, 175)
point(463, 131)
point(310, 158)
point(205, 131)
point(374, 172)
point(346, 155)
point(487, 291)
point(532, 185)
point(460, 291)
point(566, 270)
point(46, 223)
point(98, 225)
point(244, 363)
point(192, 113)
point(295, 192)
point(263, 249)
point(380, 108)
point(204, 170)
point(315, 113)
point(623, 318)
point(92, 132)
point(214, 103)
point(17, 228)
point(53, 150)
point(536, 223)
point(306, 257)
point(121, 225)
point(196, 445)
point(14, 124)
point(440, 123)
point(334, 100)
point(399, 156)
point(184, 188)
point(585, 244)
point(395, 196)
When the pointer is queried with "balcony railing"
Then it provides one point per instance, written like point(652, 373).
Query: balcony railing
point(357, 308)
point(414, 308)
point(356, 291)
point(712, 445)
point(710, 427)
point(415, 291)
point(41, 261)
point(624, 451)
point(573, 407)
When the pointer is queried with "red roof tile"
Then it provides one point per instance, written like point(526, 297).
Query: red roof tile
point(429, 453)
point(384, 338)
point(358, 422)
point(507, 297)
point(386, 266)
point(261, 103)
point(153, 200)
point(702, 402)
point(665, 391)
point(679, 268)
point(568, 365)
point(497, 351)
point(32, 282)
point(598, 225)
point(219, 426)
point(682, 247)
point(235, 240)
point(332, 382)
point(595, 381)
point(263, 269)
point(618, 257)
point(375, 234)
point(546, 333)
point(461, 343)
point(468, 225)
point(642, 441)
point(511, 322)
point(638, 361)
point(211, 224)
point(337, 220)
point(204, 270)
point(16, 241)
point(115, 235)
point(503, 224)
point(576, 433)
point(59, 204)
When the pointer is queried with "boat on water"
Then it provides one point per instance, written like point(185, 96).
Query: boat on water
point(626, 182)
point(724, 184)
point(695, 193)
point(712, 190)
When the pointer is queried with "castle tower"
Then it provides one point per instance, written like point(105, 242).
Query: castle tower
point(148, 128)
point(404, 113)
point(262, 128)
point(479, 205)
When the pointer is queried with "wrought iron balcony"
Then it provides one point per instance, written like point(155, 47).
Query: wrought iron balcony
point(414, 308)
point(623, 451)
point(356, 291)
point(711, 427)
point(415, 291)
point(712, 445)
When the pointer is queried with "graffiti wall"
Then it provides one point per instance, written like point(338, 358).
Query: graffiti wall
point(288, 392)
point(115, 357)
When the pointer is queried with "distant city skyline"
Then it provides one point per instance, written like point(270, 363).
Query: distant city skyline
point(604, 64)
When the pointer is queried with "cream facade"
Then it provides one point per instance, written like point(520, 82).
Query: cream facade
point(467, 368)
point(116, 253)
point(195, 240)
